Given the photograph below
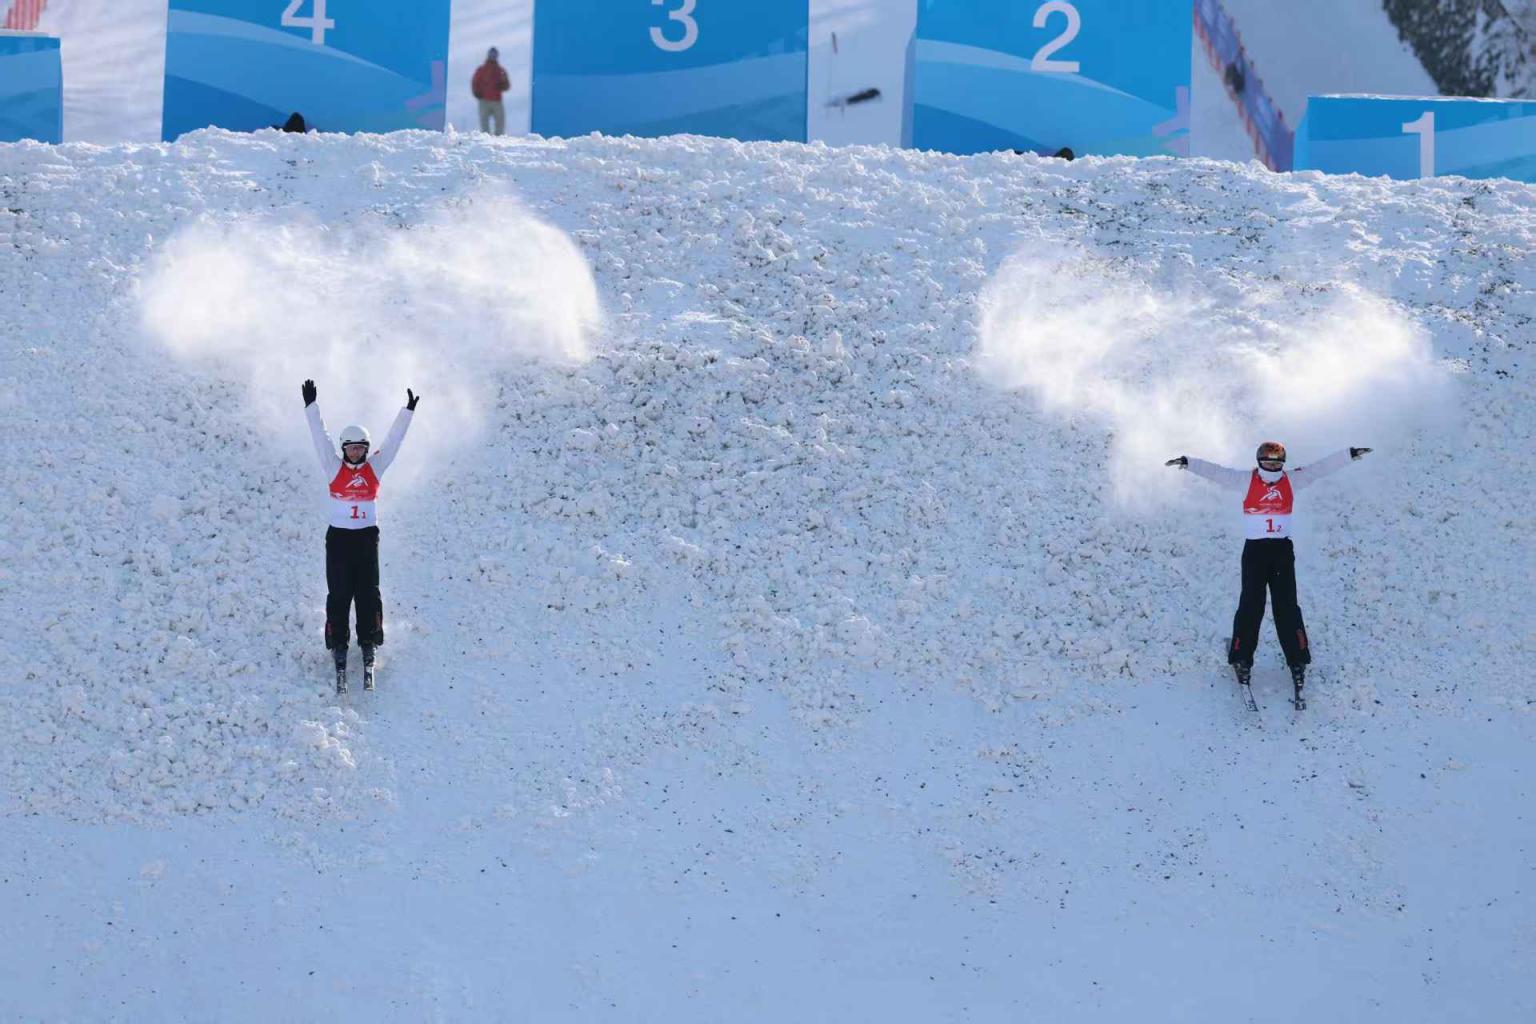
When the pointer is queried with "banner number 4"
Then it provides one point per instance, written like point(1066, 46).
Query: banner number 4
point(317, 23)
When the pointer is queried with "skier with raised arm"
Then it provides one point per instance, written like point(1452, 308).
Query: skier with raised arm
point(352, 541)
point(1269, 559)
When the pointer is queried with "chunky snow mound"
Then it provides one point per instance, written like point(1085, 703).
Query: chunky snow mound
point(796, 417)
point(781, 566)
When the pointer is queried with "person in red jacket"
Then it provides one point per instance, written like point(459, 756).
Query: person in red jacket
point(489, 82)
point(1269, 559)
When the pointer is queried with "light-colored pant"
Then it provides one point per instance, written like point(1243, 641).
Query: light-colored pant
point(492, 110)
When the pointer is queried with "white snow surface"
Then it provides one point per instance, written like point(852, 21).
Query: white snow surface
point(789, 614)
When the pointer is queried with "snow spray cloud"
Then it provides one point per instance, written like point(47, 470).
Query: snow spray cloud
point(370, 308)
point(1208, 368)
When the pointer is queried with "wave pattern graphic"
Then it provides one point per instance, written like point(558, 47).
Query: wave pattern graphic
point(232, 74)
point(759, 99)
point(31, 89)
point(983, 98)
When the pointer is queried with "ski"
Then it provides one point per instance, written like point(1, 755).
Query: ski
point(1245, 684)
point(1299, 680)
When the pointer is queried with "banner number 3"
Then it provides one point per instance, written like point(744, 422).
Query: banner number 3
point(683, 15)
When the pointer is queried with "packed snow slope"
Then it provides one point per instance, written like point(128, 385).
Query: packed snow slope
point(789, 615)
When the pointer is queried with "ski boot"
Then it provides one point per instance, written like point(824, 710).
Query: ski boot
point(1299, 679)
point(368, 650)
point(340, 654)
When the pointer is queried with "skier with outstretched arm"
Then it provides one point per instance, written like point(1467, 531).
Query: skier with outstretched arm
point(1269, 559)
point(352, 541)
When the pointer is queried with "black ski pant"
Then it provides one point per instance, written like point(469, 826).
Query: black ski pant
point(352, 574)
point(1269, 564)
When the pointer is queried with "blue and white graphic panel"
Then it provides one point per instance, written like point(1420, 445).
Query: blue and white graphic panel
point(346, 65)
point(31, 88)
point(1405, 137)
point(729, 68)
point(1099, 77)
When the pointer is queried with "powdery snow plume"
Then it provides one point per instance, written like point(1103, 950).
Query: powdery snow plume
point(371, 305)
point(1186, 361)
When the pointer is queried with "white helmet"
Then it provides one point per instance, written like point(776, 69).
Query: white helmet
point(355, 435)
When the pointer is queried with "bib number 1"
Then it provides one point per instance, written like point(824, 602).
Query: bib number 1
point(1272, 528)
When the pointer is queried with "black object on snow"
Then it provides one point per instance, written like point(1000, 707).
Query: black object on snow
point(1064, 153)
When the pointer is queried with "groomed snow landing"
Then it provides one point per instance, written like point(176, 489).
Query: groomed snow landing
point(788, 613)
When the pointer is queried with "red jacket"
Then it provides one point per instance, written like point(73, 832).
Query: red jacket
point(490, 82)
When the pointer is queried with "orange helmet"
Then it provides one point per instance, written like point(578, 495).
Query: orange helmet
point(1271, 451)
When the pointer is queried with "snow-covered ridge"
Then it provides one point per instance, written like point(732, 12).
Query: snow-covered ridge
point(783, 426)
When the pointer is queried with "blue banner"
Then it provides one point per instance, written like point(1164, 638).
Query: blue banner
point(345, 65)
point(1402, 137)
point(727, 68)
point(1099, 77)
point(31, 89)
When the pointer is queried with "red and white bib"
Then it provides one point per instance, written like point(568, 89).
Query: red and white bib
point(354, 490)
point(1267, 508)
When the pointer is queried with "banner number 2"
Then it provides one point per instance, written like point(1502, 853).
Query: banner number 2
point(1042, 60)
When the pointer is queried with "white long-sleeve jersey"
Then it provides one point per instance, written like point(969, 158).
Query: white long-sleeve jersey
point(354, 490)
point(1268, 507)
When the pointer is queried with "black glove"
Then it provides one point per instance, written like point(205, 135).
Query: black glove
point(411, 398)
point(309, 392)
point(1355, 453)
point(1182, 462)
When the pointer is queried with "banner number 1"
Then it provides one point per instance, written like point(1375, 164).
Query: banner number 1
point(1424, 128)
